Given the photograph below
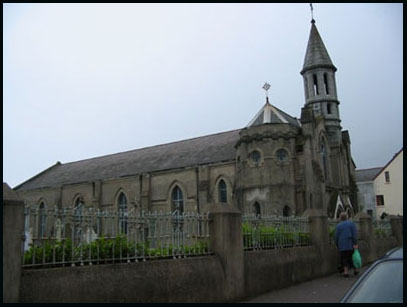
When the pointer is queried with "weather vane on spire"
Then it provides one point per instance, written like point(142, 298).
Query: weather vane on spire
point(266, 87)
point(312, 13)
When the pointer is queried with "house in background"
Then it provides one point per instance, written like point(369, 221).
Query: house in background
point(366, 192)
point(388, 186)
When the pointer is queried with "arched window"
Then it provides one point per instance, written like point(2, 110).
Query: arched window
point(42, 214)
point(282, 155)
point(286, 211)
point(329, 108)
point(324, 158)
point(222, 191)
point(177, 200)
point(123, 214)
point(256, 209)
point(77, 219)
point(326, 83)
point(255, 156)
point(315, 85)
point(78, 208)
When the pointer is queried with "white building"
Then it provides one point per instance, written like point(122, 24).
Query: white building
point(388, 187)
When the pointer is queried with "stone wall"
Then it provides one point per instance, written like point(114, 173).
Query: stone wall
point(183, 280)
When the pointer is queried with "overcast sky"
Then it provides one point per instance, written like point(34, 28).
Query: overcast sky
point(87, 80)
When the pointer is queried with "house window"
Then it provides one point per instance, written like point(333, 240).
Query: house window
point(387, 177)
point(42, 220)
point(256, 209)
point(177, 200)
point(222, 189)
point(123, 214)
point(281, 155)
point(379, 200)
point(255, 156)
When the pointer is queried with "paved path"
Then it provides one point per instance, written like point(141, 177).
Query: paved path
point(329, 289)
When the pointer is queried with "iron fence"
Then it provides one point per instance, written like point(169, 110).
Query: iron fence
point(63, 237)
point(265, 232)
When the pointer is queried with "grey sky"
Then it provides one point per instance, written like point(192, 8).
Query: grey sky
point(86, 80)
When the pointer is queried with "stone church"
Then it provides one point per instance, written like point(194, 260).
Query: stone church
point(277, 164)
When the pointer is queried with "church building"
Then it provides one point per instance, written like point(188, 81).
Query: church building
point(277, 164)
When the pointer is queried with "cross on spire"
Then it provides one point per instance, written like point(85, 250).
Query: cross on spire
point(266, 87)
point(312, 13)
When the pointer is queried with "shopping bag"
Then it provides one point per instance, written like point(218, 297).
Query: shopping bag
point(356, 259)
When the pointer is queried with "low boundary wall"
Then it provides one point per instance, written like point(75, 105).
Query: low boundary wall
point(196, 279)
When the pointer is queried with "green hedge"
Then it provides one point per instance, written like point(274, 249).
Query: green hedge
point(104, 249)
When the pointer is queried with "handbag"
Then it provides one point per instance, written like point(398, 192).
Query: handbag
point(356, 259)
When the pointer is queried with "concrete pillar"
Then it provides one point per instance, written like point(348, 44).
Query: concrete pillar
point(227, 243)
point(13, 228)
point(318, 227)
point(366, 237)
point(396, 223)
point(320, 238)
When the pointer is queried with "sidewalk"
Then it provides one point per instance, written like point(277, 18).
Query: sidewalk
point(328, 289)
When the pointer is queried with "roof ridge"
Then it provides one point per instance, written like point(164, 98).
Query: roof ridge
point(148, 147)
point(37, 175)
point(365, 169)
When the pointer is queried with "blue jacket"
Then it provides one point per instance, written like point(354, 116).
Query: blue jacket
point(346, 235)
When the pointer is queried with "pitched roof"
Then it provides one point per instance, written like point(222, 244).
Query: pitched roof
point(368, 174)
point(388, 163)
point(197, 151)
point(316, 54)
point(269, 114)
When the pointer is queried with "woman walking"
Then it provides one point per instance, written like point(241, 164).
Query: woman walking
point(346, 239)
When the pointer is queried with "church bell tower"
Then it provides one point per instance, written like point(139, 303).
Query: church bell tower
point(318, 73)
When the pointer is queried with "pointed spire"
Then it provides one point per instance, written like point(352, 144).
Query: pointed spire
point(316, 55)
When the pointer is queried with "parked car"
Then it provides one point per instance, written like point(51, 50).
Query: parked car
point(394, 253)
point(380, 283)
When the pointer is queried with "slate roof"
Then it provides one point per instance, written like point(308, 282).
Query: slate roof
point(269, 114)
point(197, 151)
point(316, 54)
point(369, 174)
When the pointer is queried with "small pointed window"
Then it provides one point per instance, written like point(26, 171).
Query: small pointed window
point(286, 211)
point(42, 220)
point(123, 214)
point(177, 200)
point(222, 189)
point(256, 209)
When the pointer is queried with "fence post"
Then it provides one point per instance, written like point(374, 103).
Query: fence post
point(13, 227)
point(397, 228)
point(366, 236)
point(227, 243)
point(320, 237)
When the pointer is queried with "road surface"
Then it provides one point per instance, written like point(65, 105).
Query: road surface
point(328, 289)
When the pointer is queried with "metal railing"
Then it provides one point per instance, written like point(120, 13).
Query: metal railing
point(63, 237)
point(265, 232)
point(382, 228)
